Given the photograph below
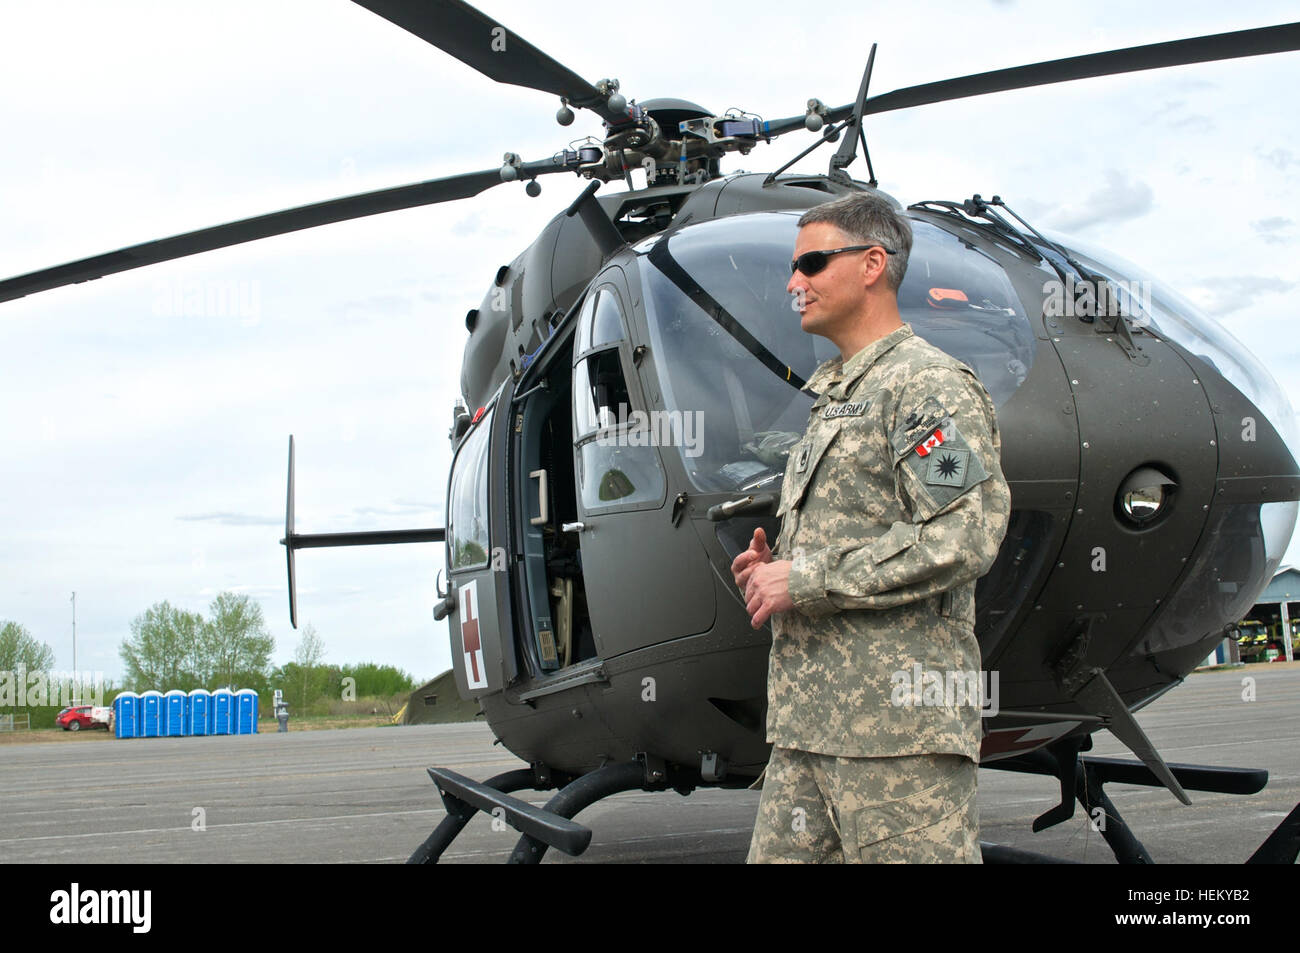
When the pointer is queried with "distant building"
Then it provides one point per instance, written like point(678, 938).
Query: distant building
point(1268, 631)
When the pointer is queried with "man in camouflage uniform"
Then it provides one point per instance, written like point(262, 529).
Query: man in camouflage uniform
point(893, 504)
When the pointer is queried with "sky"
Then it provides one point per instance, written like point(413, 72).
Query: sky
point(144, 417)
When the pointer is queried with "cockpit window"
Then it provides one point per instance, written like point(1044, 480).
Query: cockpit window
point(729, 349)
point(467, 529)
point(617, 465)
point(962, 302)
point(601, 321)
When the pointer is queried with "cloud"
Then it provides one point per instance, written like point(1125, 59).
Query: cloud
point(1282, 158)
point(1272, 229)
point(233, 519)
point(1168, 106)
point(1220, 296)
point(467, 226)
point(249, 590)
point(1120, 200)
point(388, 305)
point(1195, 123)
point(398, 508)
point(1171, 113)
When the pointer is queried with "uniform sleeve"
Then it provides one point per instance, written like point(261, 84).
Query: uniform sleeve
point(948, 473)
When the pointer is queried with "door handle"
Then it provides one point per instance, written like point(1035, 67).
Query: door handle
point(544, 518)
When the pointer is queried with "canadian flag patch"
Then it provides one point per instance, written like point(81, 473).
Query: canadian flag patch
point(929, 443)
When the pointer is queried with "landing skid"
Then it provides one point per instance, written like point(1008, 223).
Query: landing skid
point(1083, 778)
point(552, 825)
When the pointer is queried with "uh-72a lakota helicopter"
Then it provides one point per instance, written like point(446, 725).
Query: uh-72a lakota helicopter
point(631, 384)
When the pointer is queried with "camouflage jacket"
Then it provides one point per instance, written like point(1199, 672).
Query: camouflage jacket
point(893, 504)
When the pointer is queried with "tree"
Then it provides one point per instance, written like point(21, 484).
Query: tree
point(165, 649)
point(311, 648)
point(306, 674)
point(237, 644)
point(19, 648)
point(382, 680)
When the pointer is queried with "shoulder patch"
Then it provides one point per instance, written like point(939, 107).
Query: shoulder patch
point(942, 467)
point(919, 424)
point(948, 467)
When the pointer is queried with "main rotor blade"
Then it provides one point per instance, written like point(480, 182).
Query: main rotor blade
point(343, 209)
point(1203, 49)
point(1283, 38)
point(477, 40)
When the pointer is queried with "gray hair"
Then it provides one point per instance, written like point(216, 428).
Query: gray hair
point(867, 217)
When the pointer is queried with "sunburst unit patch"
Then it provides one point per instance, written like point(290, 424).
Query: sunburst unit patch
point(948, 467)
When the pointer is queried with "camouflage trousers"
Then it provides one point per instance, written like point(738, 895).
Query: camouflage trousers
point(822, 809)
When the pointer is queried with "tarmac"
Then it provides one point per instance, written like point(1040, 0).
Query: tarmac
point(362, 795)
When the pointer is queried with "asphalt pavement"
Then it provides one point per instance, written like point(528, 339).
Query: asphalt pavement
point(362, 795)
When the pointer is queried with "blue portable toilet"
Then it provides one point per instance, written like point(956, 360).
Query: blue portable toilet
point(126, 719)
point(173, 717)
point(245, 712)
point(223, 706)
point(151, 703)
point(198, 711)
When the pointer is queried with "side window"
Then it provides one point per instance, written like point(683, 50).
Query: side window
point(617, 465)
point(601, 321)
point(467, 503)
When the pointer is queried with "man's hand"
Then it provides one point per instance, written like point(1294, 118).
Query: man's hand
point(765, 583)
point(768, 590)
point(744, 564)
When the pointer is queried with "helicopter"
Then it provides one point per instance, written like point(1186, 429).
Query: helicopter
point(556, 668)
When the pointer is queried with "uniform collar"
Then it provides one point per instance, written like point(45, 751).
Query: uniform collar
point(836, 377)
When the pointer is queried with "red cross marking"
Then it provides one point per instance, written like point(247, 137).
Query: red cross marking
point(469, 633)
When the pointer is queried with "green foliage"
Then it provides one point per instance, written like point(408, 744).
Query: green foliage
point(171, 648)
point(372, 679)
point(165, 649)
point(325, 689)
point(239, 646)
point(19, 648)
point(301, 684)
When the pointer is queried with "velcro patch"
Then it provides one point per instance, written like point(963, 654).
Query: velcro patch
point(849, 409)
point(917, 425)
point(934, 440)
point(946, 470)
point(948, 467)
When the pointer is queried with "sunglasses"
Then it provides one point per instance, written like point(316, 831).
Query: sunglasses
point(811, 262)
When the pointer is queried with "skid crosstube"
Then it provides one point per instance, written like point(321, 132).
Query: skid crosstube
point(551, 826)
point(462, 796)
point(1083, 778)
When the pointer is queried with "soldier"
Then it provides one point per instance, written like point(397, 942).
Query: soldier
point(893, 504)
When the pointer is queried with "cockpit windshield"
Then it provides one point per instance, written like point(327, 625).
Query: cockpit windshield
point(729, 348)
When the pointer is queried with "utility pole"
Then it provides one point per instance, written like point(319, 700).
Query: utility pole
point(74, 647)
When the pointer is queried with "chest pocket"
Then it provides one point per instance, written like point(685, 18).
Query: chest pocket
point(804, 459)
